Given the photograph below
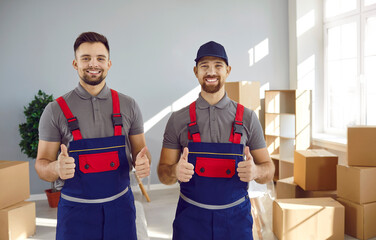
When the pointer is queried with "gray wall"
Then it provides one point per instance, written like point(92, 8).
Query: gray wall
point(153, 44)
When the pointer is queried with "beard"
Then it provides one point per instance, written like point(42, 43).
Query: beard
point(90, 80)
point(212, 88)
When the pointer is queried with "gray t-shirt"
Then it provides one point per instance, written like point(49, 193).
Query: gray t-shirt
point(94, 117)
point(214, 123)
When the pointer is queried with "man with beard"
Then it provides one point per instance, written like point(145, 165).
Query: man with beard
point(97, 135)
point(214, 147)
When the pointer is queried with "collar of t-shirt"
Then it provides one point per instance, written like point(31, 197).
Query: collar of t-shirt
point(203, 104)
point(103, 94)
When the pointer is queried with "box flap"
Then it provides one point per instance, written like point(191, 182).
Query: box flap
point(304, 203)
point(316, 153)
point(5, 164)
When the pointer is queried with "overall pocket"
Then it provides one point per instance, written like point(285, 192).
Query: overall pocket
point(99, 162)
point(215, 167)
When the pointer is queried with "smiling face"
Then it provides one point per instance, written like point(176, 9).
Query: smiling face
point(92, 63)
point(211, 73)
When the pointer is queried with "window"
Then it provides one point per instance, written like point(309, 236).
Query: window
point(370, 68)
point(350, 64)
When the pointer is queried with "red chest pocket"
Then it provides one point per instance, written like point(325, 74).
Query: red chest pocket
point(215, 167)
point(99, 162)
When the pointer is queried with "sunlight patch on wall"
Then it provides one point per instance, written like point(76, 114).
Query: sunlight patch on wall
point(251, 57)
point(156, 118)
point(186, 99)
point(307, 73)
point(305, 23)
point(259, 52)
point(263, 88)
point(175, 106)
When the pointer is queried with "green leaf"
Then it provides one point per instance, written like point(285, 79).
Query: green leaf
point(29, 130)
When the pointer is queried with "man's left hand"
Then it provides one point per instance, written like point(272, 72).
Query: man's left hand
point(142, 165)
point(247, 168)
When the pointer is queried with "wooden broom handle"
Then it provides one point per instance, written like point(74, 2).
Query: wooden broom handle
point(142, 188)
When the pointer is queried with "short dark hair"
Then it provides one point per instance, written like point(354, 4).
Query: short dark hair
point(91, 37)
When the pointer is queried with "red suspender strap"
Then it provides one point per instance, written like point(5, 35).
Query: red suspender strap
point(116, 116)
point(237, 127)
point(72, 120)
point(193, 131)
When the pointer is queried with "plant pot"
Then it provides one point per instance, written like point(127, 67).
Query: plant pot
point(52, 197)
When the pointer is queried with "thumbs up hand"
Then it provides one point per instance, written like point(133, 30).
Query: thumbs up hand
point(65, 165)
point(184, 169)
point(142, 164)
point(247, 168)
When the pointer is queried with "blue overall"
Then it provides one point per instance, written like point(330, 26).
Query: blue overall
point(214, 204)
point(97, 202)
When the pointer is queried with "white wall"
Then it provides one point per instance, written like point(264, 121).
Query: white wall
point(153, 44)
point(306, 53)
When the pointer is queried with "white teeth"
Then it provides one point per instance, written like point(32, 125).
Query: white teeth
point(211, 80)
point(93, 72)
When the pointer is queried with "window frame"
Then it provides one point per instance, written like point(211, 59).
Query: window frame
point(371, 12)
point(359, 16)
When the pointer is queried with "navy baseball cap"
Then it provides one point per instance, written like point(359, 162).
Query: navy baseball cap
point(211, 49)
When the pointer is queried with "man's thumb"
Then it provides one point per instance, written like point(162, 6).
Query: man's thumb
point(185, 154)
point(64, 150)
point(247, 153)
point(142, 152)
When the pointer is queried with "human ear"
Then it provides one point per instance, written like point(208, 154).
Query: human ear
point(74, 64)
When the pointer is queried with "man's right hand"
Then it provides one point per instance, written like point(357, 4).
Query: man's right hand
point(184, 169)
point(65, 165)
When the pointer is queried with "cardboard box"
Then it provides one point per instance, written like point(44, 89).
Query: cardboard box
point(308, 218)
point(245, 93)
point(287, 188)
point(17, 221)
point(359, 219)
point(361, 146)
point(318, 194)
point(14, 182)
point(315, 169)
point(356, 184)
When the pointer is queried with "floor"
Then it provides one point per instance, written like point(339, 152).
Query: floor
point(159, 214)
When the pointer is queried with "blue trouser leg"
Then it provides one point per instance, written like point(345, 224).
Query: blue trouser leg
point(75, 221)
point(193, 223)
point(233, 223)
point(100, 221)
point(120, 219)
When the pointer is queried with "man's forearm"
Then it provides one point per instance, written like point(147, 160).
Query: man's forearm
point(46, 170)
point(265, 172)
point(167, 174)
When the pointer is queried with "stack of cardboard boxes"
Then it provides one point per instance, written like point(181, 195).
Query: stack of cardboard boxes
point(314, 175)
point(356, 183)
point(305, 207)
point(17, 216)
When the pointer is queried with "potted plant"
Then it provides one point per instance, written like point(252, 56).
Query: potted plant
point(29, 136)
